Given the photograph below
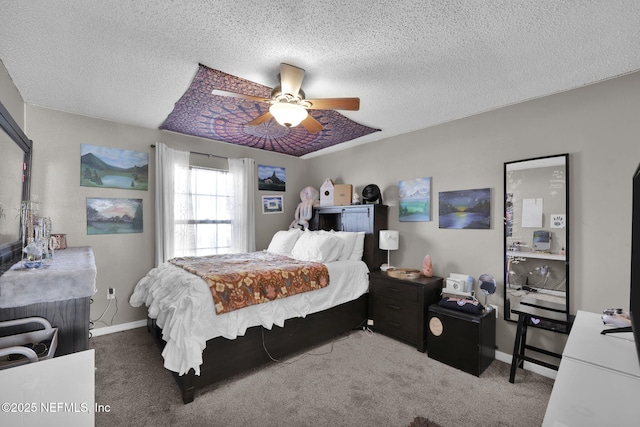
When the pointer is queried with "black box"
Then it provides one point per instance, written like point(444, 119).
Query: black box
point(462, 340)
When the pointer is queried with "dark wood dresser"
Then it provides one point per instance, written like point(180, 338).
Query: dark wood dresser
point(399, 307)
point(59, 292)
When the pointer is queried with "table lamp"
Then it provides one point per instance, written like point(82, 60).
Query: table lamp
point(388, 242)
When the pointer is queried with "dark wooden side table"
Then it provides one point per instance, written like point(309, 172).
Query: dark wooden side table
point(398, 307)
point(462, 340)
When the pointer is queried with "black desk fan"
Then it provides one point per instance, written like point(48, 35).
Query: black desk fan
point(372, 194)
point(487, 285)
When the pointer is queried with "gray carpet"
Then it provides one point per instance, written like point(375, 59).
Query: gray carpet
point(358, 380)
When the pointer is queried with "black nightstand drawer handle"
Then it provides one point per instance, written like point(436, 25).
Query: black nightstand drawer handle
point(393, 289)
point(397, 325)
point(394, 307)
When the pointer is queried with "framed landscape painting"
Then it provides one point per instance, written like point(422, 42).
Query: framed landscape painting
point(113, 168)
point(415, 199)
point(469, 209)
point(114, 216)
point(271, 178)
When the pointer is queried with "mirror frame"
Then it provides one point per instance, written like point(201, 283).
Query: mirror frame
point(506, 306)
point(10, 251)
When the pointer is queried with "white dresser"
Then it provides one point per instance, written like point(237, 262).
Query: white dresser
point(598, 382)
point(54, 392)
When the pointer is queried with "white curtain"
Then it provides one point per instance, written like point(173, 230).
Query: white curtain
point(243, 233)
point(170, 165)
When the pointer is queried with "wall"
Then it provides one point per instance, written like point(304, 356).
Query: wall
point(597, 125)
point(125, 258)
point(10, 97)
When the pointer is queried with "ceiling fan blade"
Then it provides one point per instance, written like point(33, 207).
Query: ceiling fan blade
point(238, 95)
point(311, 124)
point(260, 119)
point(291, 79)
point(334, 104)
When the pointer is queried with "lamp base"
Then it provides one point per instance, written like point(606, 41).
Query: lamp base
point(385, 267)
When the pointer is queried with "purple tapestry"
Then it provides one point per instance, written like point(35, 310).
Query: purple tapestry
point(224, 118)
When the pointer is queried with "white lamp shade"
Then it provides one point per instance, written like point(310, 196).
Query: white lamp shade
point(389, 240)
point(289, 115)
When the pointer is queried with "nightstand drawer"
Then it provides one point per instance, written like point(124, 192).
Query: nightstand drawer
point(392, 289)
point(395, 320)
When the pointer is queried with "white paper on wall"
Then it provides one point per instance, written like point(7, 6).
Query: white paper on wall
point(532, 213)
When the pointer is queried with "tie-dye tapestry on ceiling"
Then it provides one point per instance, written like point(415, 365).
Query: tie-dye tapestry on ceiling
point(224, 118)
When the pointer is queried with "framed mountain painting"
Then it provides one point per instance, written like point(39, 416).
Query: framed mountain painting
point(113, 168)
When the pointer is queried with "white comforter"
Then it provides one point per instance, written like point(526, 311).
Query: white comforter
point(182, 305)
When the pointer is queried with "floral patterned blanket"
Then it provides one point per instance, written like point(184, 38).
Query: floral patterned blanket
point(240, 280)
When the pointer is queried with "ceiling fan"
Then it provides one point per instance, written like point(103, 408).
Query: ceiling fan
point(288, 104)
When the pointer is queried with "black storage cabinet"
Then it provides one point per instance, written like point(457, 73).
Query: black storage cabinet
point(462, 340)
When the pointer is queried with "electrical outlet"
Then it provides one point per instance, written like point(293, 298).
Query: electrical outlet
point(111, 293)
point(369, 322)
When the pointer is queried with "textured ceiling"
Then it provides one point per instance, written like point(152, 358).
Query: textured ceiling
point(413, 64)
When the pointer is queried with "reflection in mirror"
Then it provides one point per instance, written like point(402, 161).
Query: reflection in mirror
point(14, 184)
point(536, 232)
point(10, 189)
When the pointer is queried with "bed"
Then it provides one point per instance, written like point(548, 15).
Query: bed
point(201, 347)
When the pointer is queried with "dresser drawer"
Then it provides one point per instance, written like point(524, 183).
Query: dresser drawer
point(395, 319)
point(392, 289)
point(398, 307)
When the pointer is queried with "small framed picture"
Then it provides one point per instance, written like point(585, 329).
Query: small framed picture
point(272, 204)
point(558, 221)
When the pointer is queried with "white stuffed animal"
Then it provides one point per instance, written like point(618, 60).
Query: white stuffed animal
point(310, 197)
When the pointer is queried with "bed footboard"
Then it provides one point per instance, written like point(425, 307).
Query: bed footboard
point(224, 358)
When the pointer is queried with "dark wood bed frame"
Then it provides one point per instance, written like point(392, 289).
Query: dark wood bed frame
point(224, 358)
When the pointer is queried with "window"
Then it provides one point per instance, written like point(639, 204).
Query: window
point(202, 213)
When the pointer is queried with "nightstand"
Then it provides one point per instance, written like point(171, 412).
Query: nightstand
point(398, 307)
point(462, 340)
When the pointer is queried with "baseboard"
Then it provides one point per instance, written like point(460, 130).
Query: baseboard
point(536, 369)
point(117, 328)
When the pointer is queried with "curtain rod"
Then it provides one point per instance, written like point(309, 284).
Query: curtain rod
point(202, 154)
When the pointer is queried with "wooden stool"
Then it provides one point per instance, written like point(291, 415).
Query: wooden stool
point(527, 309)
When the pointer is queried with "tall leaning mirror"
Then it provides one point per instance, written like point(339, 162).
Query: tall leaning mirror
point(536, 230)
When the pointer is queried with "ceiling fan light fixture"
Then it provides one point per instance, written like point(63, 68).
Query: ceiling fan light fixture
point(288, 114)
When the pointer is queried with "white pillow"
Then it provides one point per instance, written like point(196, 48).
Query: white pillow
point(349, 239)
point(283, 241)
point(358, 249)
point(317, 247)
